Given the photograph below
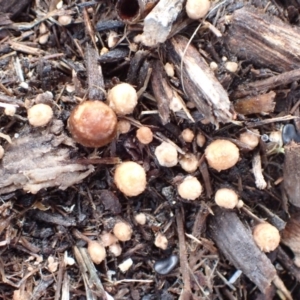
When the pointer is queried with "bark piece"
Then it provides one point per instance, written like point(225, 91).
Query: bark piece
point(291, 237)
point(114, 55)
point(261, 104)
point(39, 159)
point(94, 74)
point(162, 91)
point(158, 23)
point(236, 243)
point(131, 11)
point(264, 85)
point(264, 40)
point(136, 63)
point(199, 82)
point(291, 172)
point(14, 7)
point(52, 218)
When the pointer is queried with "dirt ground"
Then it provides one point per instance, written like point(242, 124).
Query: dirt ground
point(235, 71)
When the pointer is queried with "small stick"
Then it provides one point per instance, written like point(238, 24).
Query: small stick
point(266, 84)
point(93, 285)
point(183, 256)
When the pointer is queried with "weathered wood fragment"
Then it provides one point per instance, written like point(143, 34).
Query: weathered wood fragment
point(291, 173)
point(291, 236)
point(260, 104)
point(14, 7)
point(94, 74)
point(93, 285)
point(114, 55)
point(264, 40)
point(238, 246)
point(136, 64)
point(265, 85)
point(158, 23)
point(199, 82)
point(162, 91)
point(40, 159)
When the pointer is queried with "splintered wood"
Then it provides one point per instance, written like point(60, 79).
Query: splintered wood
point(158, 23)
point(199, 82)
point(264, 40)
point(40, 159)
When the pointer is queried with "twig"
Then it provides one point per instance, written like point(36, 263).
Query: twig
point(183, 256)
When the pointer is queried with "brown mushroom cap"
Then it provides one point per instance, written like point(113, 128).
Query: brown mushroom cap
point(93, 124)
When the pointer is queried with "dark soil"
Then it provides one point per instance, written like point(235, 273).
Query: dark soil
point(57, 194)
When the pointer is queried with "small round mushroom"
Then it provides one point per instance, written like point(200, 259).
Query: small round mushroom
point(144, 135)
point(93, 124)
point(169, 68)
point(123, 126)
point(190, 188)
point(200, 139)
point(221, 155)
point(140, 218)
point(188, 135)
point(96, 251)
point(266, 236)
point(189, 162)
point(166, 155)
point(115, 249)
point(130, 178)
point(250, 138)
point(10, 110)
point(122, 99)
point(226, 198)
point(108, 239)
point(39, 115)
point(197, 9)
point(231, 66)
point(161, 241)
point(122, 231)
point(1, 152)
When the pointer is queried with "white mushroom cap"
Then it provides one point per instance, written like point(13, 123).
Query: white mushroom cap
point(226, 198)
point(266, 236)
point(122, 99)
point(222, 154)
point(130, 178)
point(39, 115)
point(166, 155)
point(190, 188)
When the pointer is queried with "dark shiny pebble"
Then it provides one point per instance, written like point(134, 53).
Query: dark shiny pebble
point(289, 134)
point(166, 265)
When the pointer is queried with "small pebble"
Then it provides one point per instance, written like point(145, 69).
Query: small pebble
point(166, 265)
point(289, 134)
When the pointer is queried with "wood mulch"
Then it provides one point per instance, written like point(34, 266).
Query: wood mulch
point(236, 70)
